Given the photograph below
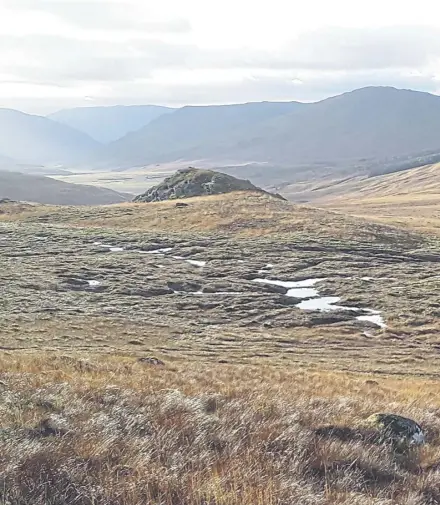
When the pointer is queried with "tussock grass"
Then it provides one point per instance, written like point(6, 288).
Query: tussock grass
point(221, 434)
point(238, 214)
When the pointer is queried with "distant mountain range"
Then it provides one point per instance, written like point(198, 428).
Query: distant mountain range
point(107, 124)
point(33, 188)
point(32, 139)
point(367, 130)
point(366, 124)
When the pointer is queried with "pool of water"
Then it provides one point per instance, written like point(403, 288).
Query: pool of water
point(296, 289)
point(93, 284)
point(196, 263)
point(162, 250)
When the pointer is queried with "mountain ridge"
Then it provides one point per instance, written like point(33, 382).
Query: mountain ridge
point(357, 127)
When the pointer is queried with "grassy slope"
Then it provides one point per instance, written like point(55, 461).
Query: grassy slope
point(202, 432)
point(239, 214)
point(218, 435)
point(35, 188)
point(409, 199)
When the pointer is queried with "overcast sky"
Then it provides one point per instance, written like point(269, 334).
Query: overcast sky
point(63, 53)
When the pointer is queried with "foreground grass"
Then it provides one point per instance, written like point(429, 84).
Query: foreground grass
point(124, 432)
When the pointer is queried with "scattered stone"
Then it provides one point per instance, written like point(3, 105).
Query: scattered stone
point(49, 427)
point(151, 361)
point(399, 430)
point(181, 205)
point(370, 382)
point(135, 342)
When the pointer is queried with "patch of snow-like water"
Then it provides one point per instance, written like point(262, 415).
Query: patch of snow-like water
point(196, 263)
point(162, 250)
point(93, 284)
point(323, 304)
point(374, 317)
point(313, 302)
point(264, 270)
point(296, 289)
point(110, 247)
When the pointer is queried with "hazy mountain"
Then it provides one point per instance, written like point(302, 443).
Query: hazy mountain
point(34, 188)
point(37, 140)
point(192, 129)
point(106, 124)
point(369, 123)
point(374, 122)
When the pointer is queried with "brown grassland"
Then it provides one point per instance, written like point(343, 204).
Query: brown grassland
point(230, 418)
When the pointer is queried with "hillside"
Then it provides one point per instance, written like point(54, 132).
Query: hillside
point(193, 132)
point(190, 182)
point(33, 188)
point(37, 140)
point(225, 352)
point(107, 124)
point(352, 130)
point(410, 199)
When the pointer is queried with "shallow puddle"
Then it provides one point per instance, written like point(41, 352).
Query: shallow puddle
point(374, 318)
point(93, 284)
point(196, 263)
point(162, 250)
point(296, 289)
point(313, 302)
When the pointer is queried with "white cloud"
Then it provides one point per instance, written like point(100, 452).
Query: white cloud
point(171, 51)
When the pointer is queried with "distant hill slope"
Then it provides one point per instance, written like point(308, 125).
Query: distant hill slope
point(193, 132)
point(107, 124)
point(415, 183)
point(191, 182)
point(407, 199)
point(33, 188)
point(35, 139)
point(353, 129)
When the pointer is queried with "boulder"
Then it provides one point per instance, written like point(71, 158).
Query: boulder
point(396, 429)
point(151, 361)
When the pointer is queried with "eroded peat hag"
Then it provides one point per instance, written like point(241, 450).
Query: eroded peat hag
point(193, 293)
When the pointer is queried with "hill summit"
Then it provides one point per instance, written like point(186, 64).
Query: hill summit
point(190, 182)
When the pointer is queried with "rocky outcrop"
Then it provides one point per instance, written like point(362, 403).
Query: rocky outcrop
point(192, 182)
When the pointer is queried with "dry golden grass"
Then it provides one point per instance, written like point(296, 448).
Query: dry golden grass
point(408, 199)
point(240, 214)
point(122, 432)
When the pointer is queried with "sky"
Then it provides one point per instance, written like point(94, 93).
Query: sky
point(68, 53)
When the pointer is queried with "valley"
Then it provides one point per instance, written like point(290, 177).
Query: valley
point(231, 348)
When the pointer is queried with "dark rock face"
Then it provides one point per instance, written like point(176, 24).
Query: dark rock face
point(192, 182)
